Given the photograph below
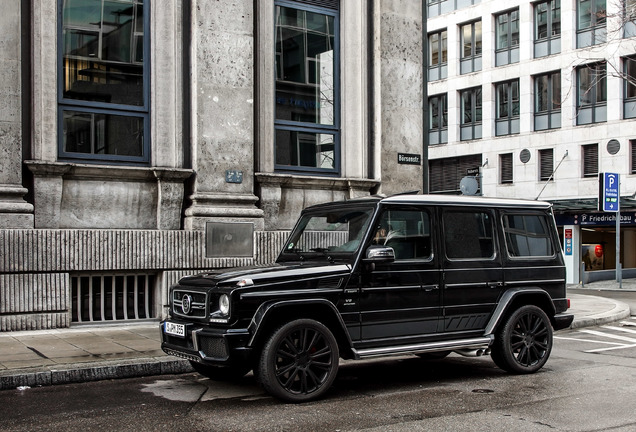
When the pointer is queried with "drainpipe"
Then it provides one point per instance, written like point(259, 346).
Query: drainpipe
point(370, 89)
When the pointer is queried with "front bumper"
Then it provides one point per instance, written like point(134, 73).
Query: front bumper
point(223, 347)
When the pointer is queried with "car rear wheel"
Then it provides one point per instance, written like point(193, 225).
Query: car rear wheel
point(524, 343)
point(299, 361)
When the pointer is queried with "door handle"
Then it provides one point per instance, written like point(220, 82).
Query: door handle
point(494, 284)
point(429, 288)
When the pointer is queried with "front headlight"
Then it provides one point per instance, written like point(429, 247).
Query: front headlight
point(224, 304)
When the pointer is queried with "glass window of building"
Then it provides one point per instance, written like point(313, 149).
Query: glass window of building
point(632, 152)
point(438, 119)
point(546, 164)
point(439, 7)
point(591, 23)
point(629, 20)
point(103, 81)
point(547, 101)
point(470, 40)
point(470, 127)
point(507, 38)
point(445, 174)
point(547, 28)
point(591, 106)
point(505, 168)
point(629, 87)
point(507, 114)
point(437, 55)
point(307, 117)
point(590, 160)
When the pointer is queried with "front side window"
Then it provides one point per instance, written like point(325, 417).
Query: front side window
point(591, 93)
point(629, 87)
point(408, 232)
point(438, 119)
point(527, 235)
point(547, 101)
point(591, 24)
point(438, 55)
point(547, 28)
point(307, 91)
point(468, 234)
point(103, 84)
point(470, 127)
point(507, 119)
point(470, 47)
point(507, 38)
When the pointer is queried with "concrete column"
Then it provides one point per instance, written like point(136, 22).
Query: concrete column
point(572, 253)
point(629, 248)
point(15, 212)
point(401, 73)
point(222, 59)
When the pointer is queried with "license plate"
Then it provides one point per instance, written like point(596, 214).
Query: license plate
point(174, 329)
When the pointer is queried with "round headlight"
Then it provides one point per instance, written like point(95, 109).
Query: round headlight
point(224, 304)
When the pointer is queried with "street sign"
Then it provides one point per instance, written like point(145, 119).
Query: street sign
point(609, 192)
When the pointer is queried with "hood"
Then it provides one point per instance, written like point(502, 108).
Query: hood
point(266, 274)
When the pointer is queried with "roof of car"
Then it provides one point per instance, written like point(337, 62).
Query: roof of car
point(479, 201)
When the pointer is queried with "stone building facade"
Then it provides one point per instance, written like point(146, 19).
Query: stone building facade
point(142, 140)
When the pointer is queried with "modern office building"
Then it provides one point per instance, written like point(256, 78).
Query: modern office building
point(142, 140)
point(538, 98)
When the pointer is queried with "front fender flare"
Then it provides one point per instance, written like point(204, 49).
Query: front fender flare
point(266, 310)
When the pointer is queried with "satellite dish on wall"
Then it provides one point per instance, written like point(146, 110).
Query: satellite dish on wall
point(469, 185)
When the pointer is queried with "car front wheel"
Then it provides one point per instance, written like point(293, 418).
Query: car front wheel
point(299, 361)
point(524, 343)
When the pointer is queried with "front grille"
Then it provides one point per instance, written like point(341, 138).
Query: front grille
point(188, 303)
point(213, 347)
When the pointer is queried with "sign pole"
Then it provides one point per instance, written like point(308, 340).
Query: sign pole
point(619, 267)
point(609, 200)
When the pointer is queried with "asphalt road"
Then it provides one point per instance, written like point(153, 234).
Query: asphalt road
point(589, 384)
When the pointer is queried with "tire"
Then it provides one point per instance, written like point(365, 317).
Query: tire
point(218, 373)
point(299, 361)
point(524, 343)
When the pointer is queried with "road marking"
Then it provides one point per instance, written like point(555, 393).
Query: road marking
point(610, 348)
point(623, 329)
point(609, 335)
point(629, 323)
point(588, 340)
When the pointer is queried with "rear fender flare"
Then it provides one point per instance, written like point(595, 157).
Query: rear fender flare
point(508, 298)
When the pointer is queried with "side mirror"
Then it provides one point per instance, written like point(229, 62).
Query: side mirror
point(380, 254)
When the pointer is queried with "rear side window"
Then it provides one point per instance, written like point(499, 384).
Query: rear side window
point(468, 235)
point(527, 235)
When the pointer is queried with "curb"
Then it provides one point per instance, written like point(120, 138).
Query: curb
point(619, 312)
point(77, 373)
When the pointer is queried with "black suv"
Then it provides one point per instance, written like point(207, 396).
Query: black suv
point(426, 275)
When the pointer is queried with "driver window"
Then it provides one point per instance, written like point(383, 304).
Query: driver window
point(407, 232)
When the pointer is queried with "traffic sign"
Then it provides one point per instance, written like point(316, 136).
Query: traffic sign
point(609, 199)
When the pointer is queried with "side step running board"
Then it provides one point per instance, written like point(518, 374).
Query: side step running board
point(473, 343)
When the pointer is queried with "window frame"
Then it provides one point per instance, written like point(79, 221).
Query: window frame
point(596, 32)
point(551, 43)
point(509, 53)
point(546, 164)
point(506, 169)
point(629, 102)
point(308, 127)
point(594, 111)
point(438, 135)
point(472, 62)
point(551, 116)
point(95, 107)
point(471, 130)
point(439, 70)
point(589, 155)
point(507, 124)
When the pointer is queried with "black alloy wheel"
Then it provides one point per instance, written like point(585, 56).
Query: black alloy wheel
point(524, 343)
point(299, 361)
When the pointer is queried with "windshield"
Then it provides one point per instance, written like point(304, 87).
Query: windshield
point(330, 233)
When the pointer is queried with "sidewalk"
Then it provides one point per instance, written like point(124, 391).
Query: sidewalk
point(48, 357)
